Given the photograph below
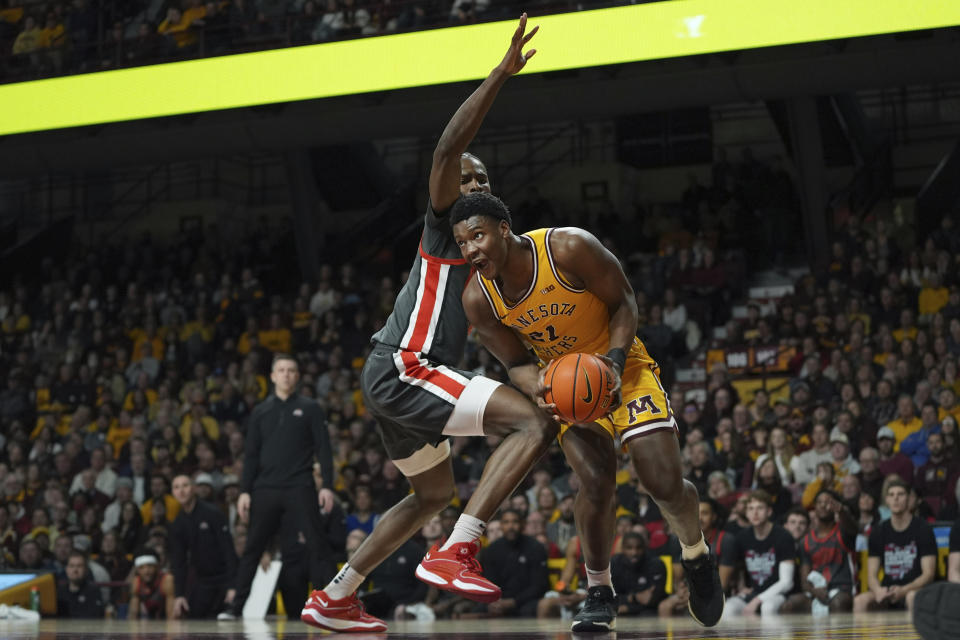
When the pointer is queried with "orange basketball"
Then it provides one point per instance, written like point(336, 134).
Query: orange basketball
point(579, 385)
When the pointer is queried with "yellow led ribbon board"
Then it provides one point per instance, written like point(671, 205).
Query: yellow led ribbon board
point(566, 41)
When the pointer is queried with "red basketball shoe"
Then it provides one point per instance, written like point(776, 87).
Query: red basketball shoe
point(457, 570)
point(345, 615)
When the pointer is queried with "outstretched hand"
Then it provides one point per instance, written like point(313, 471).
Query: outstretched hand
point(516, 59)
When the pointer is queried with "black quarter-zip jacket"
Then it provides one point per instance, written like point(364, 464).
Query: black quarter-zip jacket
point(283, 438)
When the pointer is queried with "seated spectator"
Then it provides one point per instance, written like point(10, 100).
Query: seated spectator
point(892, 462)
point(826, 479)
point(843, 462)
point(905, 548)
point(768, 553)
point(518, 564)
point(131, 530)
point(827, 574)
point(87, 492)
point(768, 479)
point(395, 584)
point(701, 466)
point(915, 445)
point(105, 480)
point(871, 478)
point(467, 11)
point(906, 421)
point(151, 590)
point(179, 27)
point(159, 492)
point(639, 578)
point(28, 41)
point(78, 597)
point(561, 530)
point(362, 516)
point(936, 479)
point(564, 600)
point(804, 466)
point(797, 523)
point(780, 450)
point(115, 562)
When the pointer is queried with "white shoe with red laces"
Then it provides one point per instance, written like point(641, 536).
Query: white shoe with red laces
point(456, 569)
point(345, 615)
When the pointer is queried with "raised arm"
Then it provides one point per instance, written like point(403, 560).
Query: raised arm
point(445, 172)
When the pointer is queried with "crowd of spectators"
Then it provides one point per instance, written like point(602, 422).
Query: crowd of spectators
point(40, 38)
point(123, 366)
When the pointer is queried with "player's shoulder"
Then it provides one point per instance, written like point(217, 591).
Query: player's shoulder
point(569, 244)
point(474, 298)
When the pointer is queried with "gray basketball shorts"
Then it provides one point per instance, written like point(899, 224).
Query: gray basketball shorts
point(418, 404)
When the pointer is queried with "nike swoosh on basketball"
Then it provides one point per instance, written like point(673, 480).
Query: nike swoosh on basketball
point(589, 397)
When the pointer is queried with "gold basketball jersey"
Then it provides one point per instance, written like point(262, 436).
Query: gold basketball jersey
point(553, 316)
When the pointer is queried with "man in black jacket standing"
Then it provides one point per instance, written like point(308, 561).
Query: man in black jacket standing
point(286, 435)
point(202, 558)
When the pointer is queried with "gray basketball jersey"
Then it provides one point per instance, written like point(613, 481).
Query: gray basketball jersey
point(428, 315)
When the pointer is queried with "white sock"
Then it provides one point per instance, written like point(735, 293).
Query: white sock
point(344, 583)
point(599, 578)
point(467, 529)
point(689, 553)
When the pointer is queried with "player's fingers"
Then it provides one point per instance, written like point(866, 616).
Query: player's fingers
point(527, 37)
point(529, 54)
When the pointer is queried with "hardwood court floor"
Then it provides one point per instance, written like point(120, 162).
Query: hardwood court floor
point(888, 626)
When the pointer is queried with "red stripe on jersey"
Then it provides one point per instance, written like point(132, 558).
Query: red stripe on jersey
point(429, 258)
point(422, 324)
point(416, 369)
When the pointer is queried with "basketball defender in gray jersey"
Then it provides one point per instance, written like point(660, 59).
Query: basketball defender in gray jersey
point(412, 387)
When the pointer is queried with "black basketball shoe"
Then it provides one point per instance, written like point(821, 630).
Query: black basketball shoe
point(706, 593)
point(936, 611)
point(599, 611)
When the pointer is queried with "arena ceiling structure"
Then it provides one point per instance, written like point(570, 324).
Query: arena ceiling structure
point(595, 63)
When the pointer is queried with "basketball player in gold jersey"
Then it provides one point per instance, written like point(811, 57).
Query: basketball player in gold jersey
point(558, 291)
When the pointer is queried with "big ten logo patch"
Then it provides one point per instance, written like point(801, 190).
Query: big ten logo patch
point(642, 405)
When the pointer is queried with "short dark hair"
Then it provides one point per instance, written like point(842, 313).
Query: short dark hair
point(516, 512)
point(479, 204)
point(829, 492)
point(759, 495)
point(277, 357)
point(633, 535)
point(76, 553)
point(893, 480)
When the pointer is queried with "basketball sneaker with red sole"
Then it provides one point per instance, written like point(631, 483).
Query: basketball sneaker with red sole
point(345, 615)
point(456, 569)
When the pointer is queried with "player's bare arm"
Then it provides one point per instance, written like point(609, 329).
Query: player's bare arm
point(445, 171)
point(503, 343)
point(586, 263)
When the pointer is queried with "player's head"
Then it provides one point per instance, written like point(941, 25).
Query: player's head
point(481, 227)
point(473, 175)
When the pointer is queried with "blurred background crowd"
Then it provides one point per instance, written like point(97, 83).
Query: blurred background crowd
point(129, 364)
